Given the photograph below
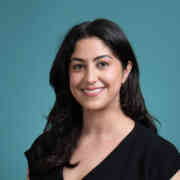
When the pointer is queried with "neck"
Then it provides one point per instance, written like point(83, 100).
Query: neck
point(105, 122)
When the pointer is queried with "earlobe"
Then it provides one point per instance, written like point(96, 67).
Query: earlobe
point(127, 71)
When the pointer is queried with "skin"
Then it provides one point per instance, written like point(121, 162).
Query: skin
point(99, 68)
point(27, 174)
point(176, 176)
point(94, 65)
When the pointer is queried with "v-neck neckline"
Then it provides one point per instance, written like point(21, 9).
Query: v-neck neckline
point(125, 139)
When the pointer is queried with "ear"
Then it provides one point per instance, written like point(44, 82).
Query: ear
point(127, 71)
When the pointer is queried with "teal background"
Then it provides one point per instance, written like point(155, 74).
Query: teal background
point(30, 34)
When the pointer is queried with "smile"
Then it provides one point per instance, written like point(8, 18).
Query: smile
point(94, 92)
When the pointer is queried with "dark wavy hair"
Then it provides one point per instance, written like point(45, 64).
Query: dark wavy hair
point(66, 114)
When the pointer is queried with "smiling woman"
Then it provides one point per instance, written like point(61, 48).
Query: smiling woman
point(99, 75)
point(99, 126)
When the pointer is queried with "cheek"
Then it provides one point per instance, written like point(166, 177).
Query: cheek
point(74, 79)
point(113, 76)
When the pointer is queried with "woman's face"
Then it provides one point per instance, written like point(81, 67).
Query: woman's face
point(96, 75)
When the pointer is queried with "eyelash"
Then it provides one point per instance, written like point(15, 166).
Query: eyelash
point(78, 65)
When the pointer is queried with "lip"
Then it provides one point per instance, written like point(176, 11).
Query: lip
point(92, 94)
point(92, 88)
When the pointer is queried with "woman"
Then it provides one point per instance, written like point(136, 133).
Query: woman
point(99, 127)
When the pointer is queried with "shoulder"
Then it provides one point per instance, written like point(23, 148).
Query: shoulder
point(43, 143)
point(154, 142)
point(161, 157)
point(40, 149)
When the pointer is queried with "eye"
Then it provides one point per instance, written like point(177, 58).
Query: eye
point(77, 67)
point(103, 64)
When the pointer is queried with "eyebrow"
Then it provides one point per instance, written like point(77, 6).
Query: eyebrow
point(95, 59)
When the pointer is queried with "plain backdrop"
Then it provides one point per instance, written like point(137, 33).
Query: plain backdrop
point(30, 34)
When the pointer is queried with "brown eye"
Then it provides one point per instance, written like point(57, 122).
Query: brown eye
point(103, 64)
point(77, 67)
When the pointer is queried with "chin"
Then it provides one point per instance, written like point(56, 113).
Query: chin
point(93, 106)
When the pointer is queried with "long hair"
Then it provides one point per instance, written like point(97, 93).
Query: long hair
point(66, 114)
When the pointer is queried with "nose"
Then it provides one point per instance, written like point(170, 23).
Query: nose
point(91, 75)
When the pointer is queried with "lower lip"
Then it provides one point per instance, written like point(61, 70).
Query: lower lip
point(92, 94)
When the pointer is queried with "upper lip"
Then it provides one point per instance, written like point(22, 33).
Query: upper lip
point(92, 88)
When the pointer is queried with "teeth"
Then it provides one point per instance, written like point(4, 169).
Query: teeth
point(94, 90)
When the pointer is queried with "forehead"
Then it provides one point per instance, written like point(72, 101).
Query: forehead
point(91, 48)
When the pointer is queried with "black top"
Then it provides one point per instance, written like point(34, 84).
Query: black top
point(142, 155)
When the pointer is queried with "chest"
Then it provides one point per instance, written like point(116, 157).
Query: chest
point(90, 157)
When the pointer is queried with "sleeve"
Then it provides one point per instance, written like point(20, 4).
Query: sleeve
point(39, 151)
point(34, 154)
point(165, 160)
